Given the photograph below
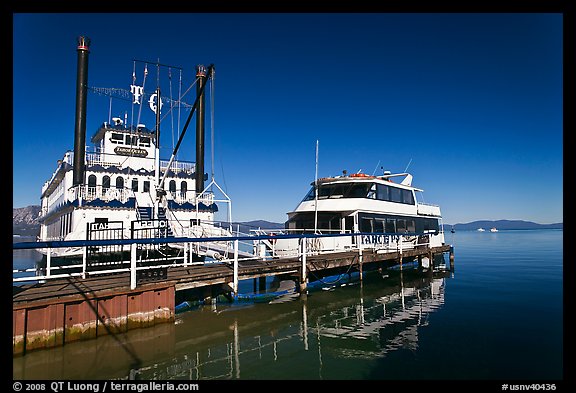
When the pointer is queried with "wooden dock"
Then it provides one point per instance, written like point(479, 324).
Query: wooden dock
point(62, 310)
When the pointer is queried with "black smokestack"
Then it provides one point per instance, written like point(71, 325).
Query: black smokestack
point(80, 130)
point(201, 75)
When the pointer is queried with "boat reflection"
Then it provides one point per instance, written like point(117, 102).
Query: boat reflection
point(293, 338)
point(362, 326)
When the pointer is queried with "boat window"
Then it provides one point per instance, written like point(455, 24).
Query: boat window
point(331, 191)
point(172, 186)
point(401, 225)
point(390, 225)
point(131, 140)
point(144, 141)
point(116, 138)
point(183, 187)
point(383, 192)
point(376, 223)
point(349, 224)
point(106, 182)
point(119, 182)
point(358, 190)
point(91, 186)
point(379, 225)
point(407, 197)
point(324, 192)
point(329, 222)
point(372, 191)
point(310, 196)
point(146, 186)
point(346, 190)
point(135, 185)
point(366, 225)
point(395, 194)
point(410, 226)
point(430, 224)
point(425, 224)
point(335, 223)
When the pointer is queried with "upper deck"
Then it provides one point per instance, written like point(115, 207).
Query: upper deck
point(360, 192)
point(117, 147)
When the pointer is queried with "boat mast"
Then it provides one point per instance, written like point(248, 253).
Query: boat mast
point(201, 75)
point(157, 151)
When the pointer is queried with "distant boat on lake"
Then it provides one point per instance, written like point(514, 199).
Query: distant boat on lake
point(493, 230)
point(480, 229)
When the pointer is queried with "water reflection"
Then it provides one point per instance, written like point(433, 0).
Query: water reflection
point(328, 334)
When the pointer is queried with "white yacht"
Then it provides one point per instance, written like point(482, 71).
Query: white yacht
point(119, 188)
point(480, 229)
point(360, 203)
point(493, 230)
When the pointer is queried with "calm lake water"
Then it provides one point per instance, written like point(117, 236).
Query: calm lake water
point(499, 315)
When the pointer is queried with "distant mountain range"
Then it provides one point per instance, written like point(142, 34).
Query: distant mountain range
point(25, 223)
point(247, 227)
point(501, 225)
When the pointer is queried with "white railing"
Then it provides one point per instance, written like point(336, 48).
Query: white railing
point(106, 194)
point(190, 196)
point(182, 196)
point(379, 242)
point(103, 160)
point(178, 166)
point(90, 193)
point(428, 209)
point(100, 159)
point(304, 248)
point(206, 198)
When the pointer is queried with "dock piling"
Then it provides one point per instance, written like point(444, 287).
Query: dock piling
point(451, 258)
point(303, 275)
point(400, 252)
point(360, 260)
point(236, 267)
point(133, 266)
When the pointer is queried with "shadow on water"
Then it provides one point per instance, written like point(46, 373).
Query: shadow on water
point(331, 333)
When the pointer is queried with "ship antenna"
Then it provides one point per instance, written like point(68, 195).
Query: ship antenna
point(410, 162)
point(375, 169)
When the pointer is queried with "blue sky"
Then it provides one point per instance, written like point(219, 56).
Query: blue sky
point(472, 101)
